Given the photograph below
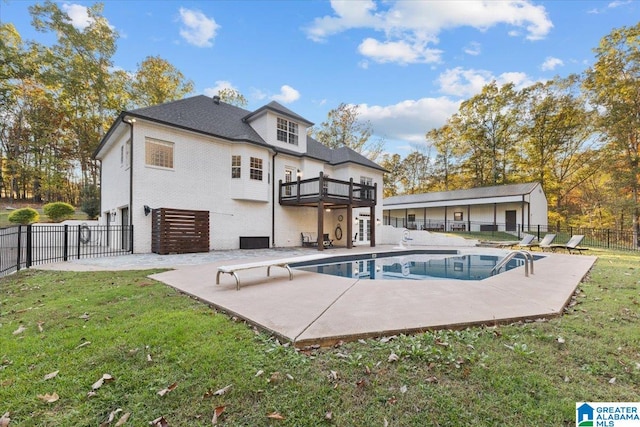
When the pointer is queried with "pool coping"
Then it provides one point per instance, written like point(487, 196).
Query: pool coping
point(319, 309)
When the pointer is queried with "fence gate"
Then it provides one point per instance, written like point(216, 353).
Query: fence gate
point(179, 231)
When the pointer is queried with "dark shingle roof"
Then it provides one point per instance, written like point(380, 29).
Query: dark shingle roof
point(472, 193)
point(201, 114)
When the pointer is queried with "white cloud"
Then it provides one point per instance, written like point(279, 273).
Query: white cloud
point(79, 15)
point(287, 95)
point(197, 29)
point(550, 63)
point(465, 83)
point(220, 84)
point(408, 120)
point(399, 51)
point(410, 26)
point(473, 49)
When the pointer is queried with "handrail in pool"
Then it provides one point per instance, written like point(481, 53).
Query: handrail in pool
point(528, 260)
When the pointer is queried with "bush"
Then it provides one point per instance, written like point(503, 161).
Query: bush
point(58, 211)
point(24, 216)
point(90, 204)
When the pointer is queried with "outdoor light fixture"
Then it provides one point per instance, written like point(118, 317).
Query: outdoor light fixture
point(299, 173)
point(147, 210)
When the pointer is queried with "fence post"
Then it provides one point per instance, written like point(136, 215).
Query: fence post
point(19, 247)
point(29, 245)
point(538, 231)
point(65, 250)
point(78, 245)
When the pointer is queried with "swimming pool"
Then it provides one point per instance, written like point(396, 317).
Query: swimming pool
point(413, 265)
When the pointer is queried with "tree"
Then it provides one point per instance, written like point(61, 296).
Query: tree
point(233, 97)
point(392, 179)
point(613, 85)
point(344, 129)
point(486, 125)
point(556, 134)
point(416, 172)
point(445, 166)
point(157, 81)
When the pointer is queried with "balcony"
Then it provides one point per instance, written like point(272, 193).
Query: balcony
point(331, 192)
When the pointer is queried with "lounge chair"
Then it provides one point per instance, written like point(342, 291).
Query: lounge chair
point(543, 244)
point(526, 239)
point(571, 245)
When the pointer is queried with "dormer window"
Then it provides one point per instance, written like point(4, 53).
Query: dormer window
point(287, 131)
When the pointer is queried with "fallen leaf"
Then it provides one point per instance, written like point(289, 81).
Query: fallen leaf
point(385, 423)
point(260, 372)
point(159, 422)
point(612, 380)
point(333, 375)
point(393, 358)
point(275, 377)
point(49, 398)
point(101, 381)
point(403, 389)
point(123, 419)
point(392, 400)
point(432, 380)
point(222, 391)
point(5, 420)
point(149, 358)
point(91, 394)
point(560, 340)
point(290, 377)
point(85, 316)
point(168, 389)
point(83, 344)
point(112, 416)
point(328, 415)
point(275, 416)
point(51, 375)
point(40, 328)
point(216, 414)
point(20, 330)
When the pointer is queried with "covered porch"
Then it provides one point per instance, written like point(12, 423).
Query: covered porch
point(328, 193)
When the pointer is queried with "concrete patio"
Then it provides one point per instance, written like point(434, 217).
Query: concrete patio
point(321, 309)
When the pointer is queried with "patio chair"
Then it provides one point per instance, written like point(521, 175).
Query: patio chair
point(571, 245)
point(543, 244)
point(526, 239)
point(326, 241)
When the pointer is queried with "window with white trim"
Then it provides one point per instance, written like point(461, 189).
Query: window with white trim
point(236, 166)
point(287, 131)
point(255, 169)
point(158, 153)
point(366, 194)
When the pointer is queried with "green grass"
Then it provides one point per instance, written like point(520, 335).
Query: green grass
point(517, 375)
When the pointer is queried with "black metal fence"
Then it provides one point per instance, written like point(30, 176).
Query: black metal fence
point(23, 246)
point(625, 240)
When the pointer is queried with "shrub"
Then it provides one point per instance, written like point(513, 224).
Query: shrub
point(90, 201)
point(58, 211)
point(24, 216)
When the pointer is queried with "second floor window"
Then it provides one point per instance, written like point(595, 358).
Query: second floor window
point(287, 131)
point(159, 153)
point(255, 169)
point(236, 166)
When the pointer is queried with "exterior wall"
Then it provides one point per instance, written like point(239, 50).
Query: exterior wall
point(199, 181)
point(115, 179)
point(539, 207)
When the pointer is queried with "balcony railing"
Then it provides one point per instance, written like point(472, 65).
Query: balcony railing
point(328, 190)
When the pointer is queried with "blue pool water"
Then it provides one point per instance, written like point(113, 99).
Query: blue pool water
point(411, 266)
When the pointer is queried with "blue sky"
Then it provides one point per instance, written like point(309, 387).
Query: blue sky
point(407, 64)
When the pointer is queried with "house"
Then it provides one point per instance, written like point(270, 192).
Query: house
point(511, 208)
point(257, 176)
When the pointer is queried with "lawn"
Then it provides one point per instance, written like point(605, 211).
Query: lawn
point(77, 348)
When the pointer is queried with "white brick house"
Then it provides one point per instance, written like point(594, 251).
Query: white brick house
point(202, 154)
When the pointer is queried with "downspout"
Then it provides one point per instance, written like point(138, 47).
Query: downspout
point(273, 199)
point(130, 122)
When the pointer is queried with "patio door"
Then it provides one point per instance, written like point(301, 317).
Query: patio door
point(364, 229)
point(510, 220)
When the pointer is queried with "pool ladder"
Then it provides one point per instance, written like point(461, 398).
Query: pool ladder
point(528, 261)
